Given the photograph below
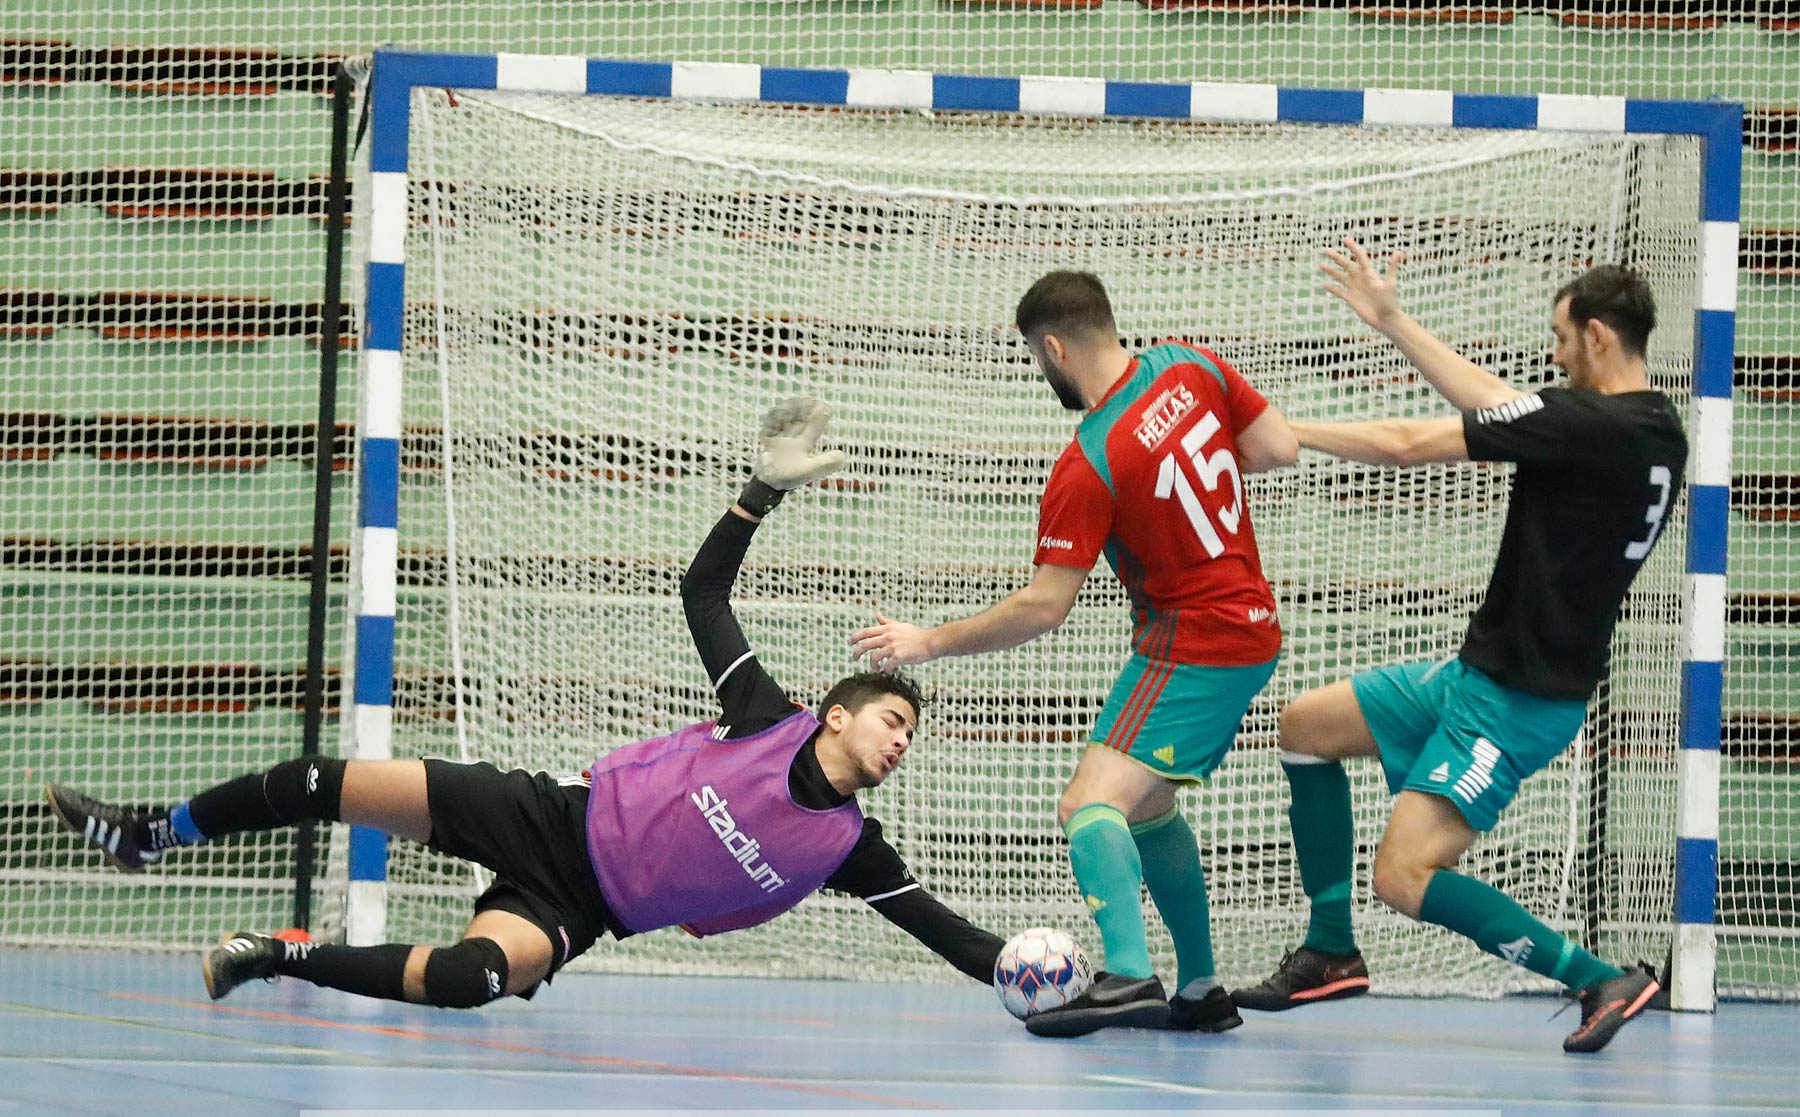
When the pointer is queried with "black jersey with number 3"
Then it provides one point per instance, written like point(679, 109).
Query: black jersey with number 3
point(1598, 476)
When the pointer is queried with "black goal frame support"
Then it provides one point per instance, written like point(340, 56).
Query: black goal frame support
point(343, 91)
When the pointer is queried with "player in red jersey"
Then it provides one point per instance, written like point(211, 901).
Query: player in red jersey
point(1152, 479)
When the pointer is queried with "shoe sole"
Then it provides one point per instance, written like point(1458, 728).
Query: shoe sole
point(1212, 1027)
point(81, 832)
point(1335, 991)
point(206, 969)
point(1063, 1025)
point(1629, 1013)
point(206, 973)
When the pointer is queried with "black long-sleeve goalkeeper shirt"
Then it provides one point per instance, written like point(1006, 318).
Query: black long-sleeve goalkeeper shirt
point(751, 701)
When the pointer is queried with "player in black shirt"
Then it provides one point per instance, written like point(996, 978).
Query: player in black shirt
point(1599, 468)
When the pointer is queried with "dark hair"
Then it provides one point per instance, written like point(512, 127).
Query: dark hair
point(1066, 302)
point(856, 691)
point(1617, 296)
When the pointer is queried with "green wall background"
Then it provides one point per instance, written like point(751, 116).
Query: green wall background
point(59, 614)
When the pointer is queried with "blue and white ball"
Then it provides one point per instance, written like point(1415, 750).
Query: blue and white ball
point(1039, 969)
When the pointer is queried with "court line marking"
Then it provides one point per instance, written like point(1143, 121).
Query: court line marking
point(523, 1049)
point(801, 1020)
point(164, 1029)
point(1485, 1101)
point(1150, 1084)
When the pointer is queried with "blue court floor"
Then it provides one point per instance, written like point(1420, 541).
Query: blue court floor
point(108, 1033)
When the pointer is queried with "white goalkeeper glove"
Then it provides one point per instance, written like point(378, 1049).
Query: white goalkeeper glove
point(790, 456)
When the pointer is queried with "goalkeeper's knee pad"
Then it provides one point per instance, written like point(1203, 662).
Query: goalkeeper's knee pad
point(467, 975)
point(309, 787)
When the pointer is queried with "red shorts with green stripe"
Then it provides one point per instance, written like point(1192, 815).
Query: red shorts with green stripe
point(1178, 719)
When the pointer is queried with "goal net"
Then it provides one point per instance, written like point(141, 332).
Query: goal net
point(604, 294)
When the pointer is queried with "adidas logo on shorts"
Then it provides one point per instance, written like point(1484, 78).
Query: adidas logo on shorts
point(1480, 774)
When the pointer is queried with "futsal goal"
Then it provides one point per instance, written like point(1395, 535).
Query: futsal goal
point(584, 280)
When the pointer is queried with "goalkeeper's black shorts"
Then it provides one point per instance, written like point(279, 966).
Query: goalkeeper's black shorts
point(532, 832)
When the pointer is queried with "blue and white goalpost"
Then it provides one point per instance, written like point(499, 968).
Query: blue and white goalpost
point(590, 275)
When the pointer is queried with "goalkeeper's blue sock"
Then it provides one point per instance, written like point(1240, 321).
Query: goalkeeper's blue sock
point(1324, 844)
point(1498, 925)
point(170, 829)
point(1171, 860)
point(1110, 875)
point(292, 791)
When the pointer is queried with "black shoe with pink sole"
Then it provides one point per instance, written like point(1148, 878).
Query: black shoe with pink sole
point(1607, 1005)
point(1306, 976)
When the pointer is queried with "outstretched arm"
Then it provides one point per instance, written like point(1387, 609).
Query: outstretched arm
point(750, 700)
point(876, 873)
point(789, 457)
point(1023, 615)
point(1389, 441)
point(1374, 296)
point(1267, 443)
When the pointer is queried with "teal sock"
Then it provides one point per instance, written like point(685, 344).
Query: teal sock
point(1108, 871)
point(1498, 925)
point(1171, 860)
point(1325, 846)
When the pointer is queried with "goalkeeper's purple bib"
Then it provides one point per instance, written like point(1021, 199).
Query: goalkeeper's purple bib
point(690, 830)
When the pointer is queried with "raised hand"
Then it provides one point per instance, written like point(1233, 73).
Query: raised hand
point(1370, 292)
point(790, 456)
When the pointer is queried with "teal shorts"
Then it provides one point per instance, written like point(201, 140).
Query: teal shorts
point(1178, 719)
point(1446, 729)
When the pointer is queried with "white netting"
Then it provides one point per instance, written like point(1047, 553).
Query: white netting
point(622, 286)
point(95, 92)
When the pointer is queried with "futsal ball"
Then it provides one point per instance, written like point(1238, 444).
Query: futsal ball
point(1039, 969)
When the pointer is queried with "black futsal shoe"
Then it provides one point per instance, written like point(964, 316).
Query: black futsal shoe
point(244, 956)
point(1607, 1005)
point(1112, 1001)
point(109, 829)
point(1306, 975)
point(1211, 1013)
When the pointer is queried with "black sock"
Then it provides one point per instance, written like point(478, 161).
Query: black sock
point(373, 971)
point(292, 791)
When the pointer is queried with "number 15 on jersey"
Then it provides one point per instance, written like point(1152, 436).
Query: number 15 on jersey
point(1171, 479)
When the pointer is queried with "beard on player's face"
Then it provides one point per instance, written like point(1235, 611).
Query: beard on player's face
point(1054, 374)
point(1572, 353)
point(1060, 383)
point(874, 769)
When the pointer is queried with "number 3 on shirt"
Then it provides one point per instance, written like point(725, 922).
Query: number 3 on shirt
point(1661, 478)
point(1171, 479)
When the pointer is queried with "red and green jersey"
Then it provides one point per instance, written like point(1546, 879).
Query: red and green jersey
point(1152, 480)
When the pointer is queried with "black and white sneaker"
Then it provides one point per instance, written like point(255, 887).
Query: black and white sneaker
point(1214, 1012)
point(1606, 1005)
point(1112, 1001)
point(244, 956)
point(109, 829)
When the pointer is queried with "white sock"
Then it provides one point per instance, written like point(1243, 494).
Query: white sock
point(1199, 987)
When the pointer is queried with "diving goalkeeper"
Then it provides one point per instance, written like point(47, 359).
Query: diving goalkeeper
point(715, 827)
